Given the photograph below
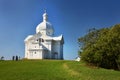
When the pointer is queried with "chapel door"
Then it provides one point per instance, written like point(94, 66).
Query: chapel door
point(46, 55)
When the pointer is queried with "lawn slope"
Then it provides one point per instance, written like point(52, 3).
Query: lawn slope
point(53, 70)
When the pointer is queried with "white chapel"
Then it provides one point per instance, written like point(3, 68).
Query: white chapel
point(43, 44)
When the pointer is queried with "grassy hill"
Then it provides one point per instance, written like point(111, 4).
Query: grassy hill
point(53, 70)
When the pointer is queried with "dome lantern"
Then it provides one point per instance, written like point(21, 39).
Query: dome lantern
point(45, 16)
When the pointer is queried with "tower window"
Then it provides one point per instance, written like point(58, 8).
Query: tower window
point(41, 40)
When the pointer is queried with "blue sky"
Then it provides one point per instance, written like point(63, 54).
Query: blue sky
point(72, 18)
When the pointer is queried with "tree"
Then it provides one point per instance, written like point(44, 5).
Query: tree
point(102, 47)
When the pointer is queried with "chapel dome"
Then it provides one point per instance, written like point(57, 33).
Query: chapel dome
point(45, 26)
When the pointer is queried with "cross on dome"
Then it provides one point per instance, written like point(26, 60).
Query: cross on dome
point(44, 10)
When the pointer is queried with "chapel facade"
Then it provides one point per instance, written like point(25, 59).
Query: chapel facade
point(43, 44)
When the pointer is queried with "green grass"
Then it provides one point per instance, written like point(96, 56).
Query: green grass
point(53, 70)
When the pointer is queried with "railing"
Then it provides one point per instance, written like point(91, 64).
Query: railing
point(35, 42)
point(37, 48)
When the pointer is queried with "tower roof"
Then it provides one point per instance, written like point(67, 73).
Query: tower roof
point(45, 26)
